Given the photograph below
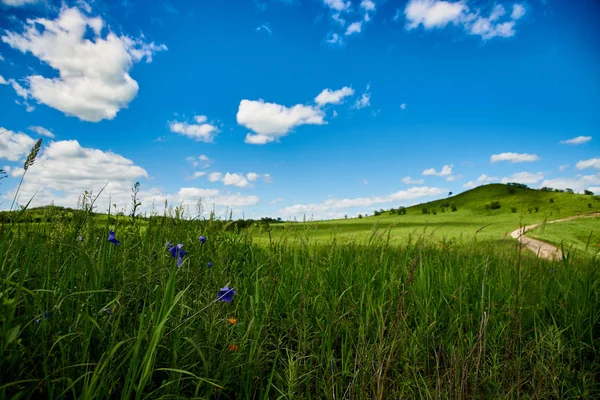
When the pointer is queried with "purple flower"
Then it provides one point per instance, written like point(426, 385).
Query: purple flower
point(46, 316)
point(108, 311)
point(176, 252)
point(202, 239)
point(210, 263)
point(112, 239)
point(226, 293)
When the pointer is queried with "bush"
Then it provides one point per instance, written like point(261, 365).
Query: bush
point(589, 205)
point(454, 208)
point(401, 210)
point(530, 210)
point(551, 200)
point(536, 209)
point(494, 205)
point(588, 192)
point(445, 204)
point(434, 212)
point(425, 210)
point(569, 190)
point(513, 209)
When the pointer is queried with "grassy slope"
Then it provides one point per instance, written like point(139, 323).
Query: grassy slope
point(464, 223)
point(581, 235)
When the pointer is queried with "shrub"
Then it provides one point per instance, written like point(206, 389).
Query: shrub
point(434, 212)
point(425, 210)
point(536, 209)
point(445, 204)
point(494, 205)
point(359, 215)
point(454, 208)
point(589, 205)
point(401, 210)
point(513, 209)
point(530, 210)
point(569, 190)
point(551, 200)
point(588, 192)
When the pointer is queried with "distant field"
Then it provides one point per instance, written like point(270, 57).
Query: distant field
point(582, 235)
point(469, 221)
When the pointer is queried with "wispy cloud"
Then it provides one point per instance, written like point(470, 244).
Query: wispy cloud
point(514, 157)
point(264, 28)
point(577, 140)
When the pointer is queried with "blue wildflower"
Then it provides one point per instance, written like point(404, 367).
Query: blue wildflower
point(46, 316)
point(112, 239)
point(108, 311)
point(177, 252)
point(202, 239)
point(226, 294)
point(210, 263)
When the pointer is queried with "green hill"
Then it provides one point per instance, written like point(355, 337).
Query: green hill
point(490, 212)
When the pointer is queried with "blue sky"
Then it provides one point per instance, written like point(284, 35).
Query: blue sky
point(291, 107)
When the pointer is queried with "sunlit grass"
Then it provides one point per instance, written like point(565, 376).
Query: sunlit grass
point(368, 319)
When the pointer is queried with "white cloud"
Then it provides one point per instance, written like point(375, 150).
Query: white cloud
point(354, 27)
point(563, 167)
point(252, 176)
point(235, 180)
point(264, 28)
point(578, 183)
point(514, 157)
point(214, 176)
point(577, 140)
point(365, 181)
point(445, 171)
point(518, 11)
point(14, 145)
point(439, 13)
point(18, 3)
point(203, 160)
point(334, 114)
point(328, 96)
point(200, 131)
point(483, 178)
point(523, 177)
point(337, 5)
point(270, 121)
point(267, 178)
point(277, 200)
point(40, 130)
point(367, 5)
point(453, 178)
point(337, 18)
point(407, 180)
point(3, 81)
point(364, 100)
point(591, 163)
point(334, 38)
point(93, 81)
point(332, 205)
point(198, 174)
point(433, 13)
point(403, 106)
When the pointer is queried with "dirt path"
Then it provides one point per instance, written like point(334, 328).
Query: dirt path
point(544, 250)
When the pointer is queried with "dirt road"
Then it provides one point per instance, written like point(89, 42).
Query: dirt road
point(544, 250)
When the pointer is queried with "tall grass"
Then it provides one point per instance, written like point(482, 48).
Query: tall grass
point(342, 320)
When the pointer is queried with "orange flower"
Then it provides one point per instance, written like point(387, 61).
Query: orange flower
point(234, 347)
point(232, 321)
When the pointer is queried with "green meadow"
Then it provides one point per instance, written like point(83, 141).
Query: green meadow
point(388, 307)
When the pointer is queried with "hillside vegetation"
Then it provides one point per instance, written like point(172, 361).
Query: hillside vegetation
point(486, 212)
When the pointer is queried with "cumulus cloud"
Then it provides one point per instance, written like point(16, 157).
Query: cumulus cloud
point(527, 178)
point(328, 96)
point(18, 3)
point(453, 178)
point(338, 5)
point(333, 205)
point(403, 106)
point(92, 80)
point(215, 176)
point(3, 81)
point(483, 178)
point(14, 145)
point(202, 160)
point(235, 180)
point(439, 13)
point(270, 121)
point(591, 163)
point(514, 157)
point(200, 130)
point(252, 176)
point(354, 27)
point(445, 171)
point(40, 130)
point(407, 180)
point(578, 183)
point(577, 140)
